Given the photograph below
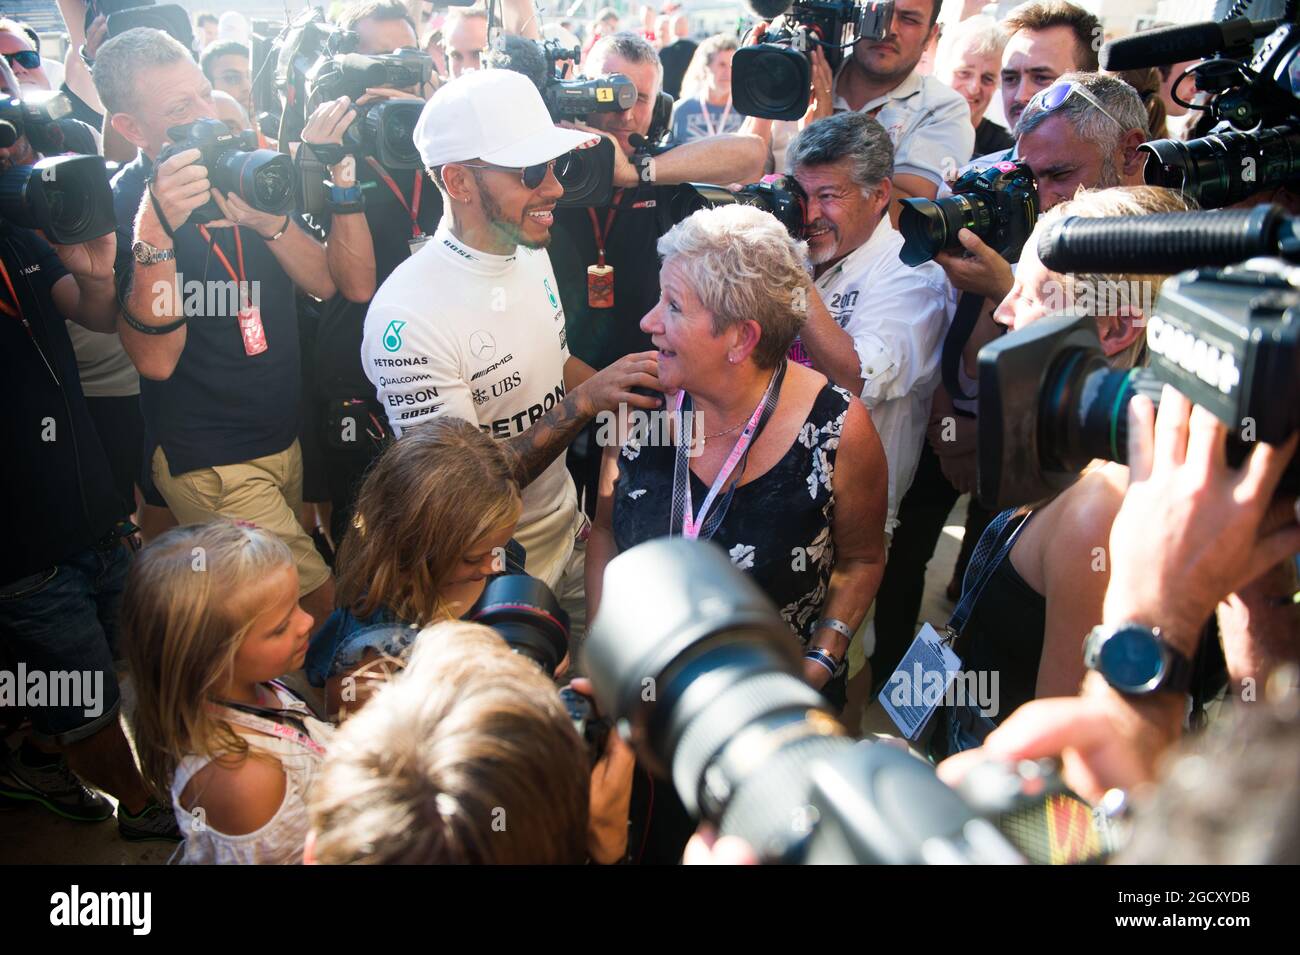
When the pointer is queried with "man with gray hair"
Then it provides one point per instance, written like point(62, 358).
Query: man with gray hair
point(875, 326)
point(969, 58)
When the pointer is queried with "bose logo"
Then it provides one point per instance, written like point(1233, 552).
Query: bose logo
point(1216, 368)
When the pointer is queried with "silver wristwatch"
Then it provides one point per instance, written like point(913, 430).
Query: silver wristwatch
point(147, 254)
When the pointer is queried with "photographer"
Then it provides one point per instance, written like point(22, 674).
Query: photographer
point(472, 326)
point(221, 392)
point(468, 757)
point(62, 576)
point(928, 122)
point(401, 210)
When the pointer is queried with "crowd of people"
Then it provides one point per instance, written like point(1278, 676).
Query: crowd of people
point(274, 515)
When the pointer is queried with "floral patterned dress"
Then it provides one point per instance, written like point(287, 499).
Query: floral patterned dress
point(777, 529)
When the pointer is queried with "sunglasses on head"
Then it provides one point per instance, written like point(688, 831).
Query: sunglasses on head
point(1054, 97)
point(531, 176)
point(27, 59)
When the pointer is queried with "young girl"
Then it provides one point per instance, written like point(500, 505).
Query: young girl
point(210, 617)
point(431, 525)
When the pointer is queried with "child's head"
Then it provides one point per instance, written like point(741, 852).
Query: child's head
point(206, 606)
point(467, 756)
point(432, 521)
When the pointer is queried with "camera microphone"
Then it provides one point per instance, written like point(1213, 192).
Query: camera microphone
point(1194, 41)
point(511, 52)
point(769, 9)
point(1168, 242)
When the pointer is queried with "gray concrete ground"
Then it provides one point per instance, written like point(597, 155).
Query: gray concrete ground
point(29, 834)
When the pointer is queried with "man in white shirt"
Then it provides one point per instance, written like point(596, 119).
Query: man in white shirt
point(471, 324)
point(875, 326)
point(928, 122)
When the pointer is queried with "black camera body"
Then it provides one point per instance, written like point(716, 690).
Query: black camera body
point(780, 196)
point(351, 74)
point(771, 79)
point(1049, 403)
point(999, 203)
point(37, 116)
point(574, 99)
point(263, 178)
point(386, 131)
point(1257, 143)
point(68, 198)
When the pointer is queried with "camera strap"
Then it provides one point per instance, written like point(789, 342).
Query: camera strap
point(969, 307)
point(600, 277)
point(16, 309)
point(980, 570)
point(683, 516)
point(280, 723)
point(413, 207)
point(250, 316)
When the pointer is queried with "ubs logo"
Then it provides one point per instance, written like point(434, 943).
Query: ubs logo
point(482, 345)
point(506, 384)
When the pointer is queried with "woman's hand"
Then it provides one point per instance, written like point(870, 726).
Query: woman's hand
point(611, 794)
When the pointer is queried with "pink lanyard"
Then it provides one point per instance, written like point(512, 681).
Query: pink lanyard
point(708, 120)
point(269, 727)
point(691, 525)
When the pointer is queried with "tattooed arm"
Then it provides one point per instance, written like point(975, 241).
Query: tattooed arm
point(589, 395)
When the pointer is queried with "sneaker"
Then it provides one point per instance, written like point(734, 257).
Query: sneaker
point(56, 787)
point(154, 824)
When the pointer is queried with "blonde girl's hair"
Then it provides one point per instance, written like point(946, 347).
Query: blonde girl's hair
point(1105, 203)
point(191, 597)
point(442, 486)
point(696, 79)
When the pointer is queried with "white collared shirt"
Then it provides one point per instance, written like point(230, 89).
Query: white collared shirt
point(897, 316)
point(928, 123)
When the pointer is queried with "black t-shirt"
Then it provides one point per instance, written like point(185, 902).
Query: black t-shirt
point(991, 138)
point(337, 358)
point(60, 490)
point(82, 110)
point(601, 336)
point(676, 58)
point(220, 405)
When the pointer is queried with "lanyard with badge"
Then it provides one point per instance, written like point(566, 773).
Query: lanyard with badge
point(683, 517)
point(250, 315)
point(15, 310)
point(708, 119)
point(600, 277)
point(418, 238)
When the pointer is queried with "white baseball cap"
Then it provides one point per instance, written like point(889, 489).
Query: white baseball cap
point(494, 115)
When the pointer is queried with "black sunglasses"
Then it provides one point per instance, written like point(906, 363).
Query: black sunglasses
point(27, 59)
point(531, 176)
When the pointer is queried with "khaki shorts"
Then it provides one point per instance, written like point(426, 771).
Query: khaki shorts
point(266, 491)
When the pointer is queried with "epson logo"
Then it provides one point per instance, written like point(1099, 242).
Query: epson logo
point(1216, 368)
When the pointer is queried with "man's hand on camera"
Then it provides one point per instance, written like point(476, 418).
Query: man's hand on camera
point(1191, 529)
point(626, 175)
point(375, 93)
point(328, 122)
point(90, 261)
point(821, 100)
point(239, 213)
point(611, 795)
point(181, 185)
point(981, 271)
point(610, 388)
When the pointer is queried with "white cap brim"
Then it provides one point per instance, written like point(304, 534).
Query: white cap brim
point(543, 147)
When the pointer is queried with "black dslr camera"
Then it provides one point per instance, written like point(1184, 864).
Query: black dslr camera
point(1256, 145)
point(1228, 339)
point(998, 203)
point(771, 78)
point(66, 197)
point(781, 196)
point(382, 129)
point(37, 116)
point(261, 177)
point(526, 614)
point(708, 690)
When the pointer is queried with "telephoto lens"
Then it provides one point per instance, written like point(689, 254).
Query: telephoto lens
point(1224, 168)
point(998, 203)
point(529, 618)
point(263, 178)
point(68, 198)
point(782, 197)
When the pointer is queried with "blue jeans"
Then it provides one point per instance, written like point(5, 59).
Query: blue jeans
point(64, 620)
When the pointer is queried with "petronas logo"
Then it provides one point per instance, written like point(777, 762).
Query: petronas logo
point(393, 335)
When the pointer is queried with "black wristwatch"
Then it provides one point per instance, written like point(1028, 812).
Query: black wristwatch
point(1136, 660)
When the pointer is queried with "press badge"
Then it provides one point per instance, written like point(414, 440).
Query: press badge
point(920, 684)
point(250, 327)
point(418, 242)
point(600, 286)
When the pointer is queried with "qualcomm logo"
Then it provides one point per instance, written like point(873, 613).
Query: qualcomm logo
point(393, 335)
